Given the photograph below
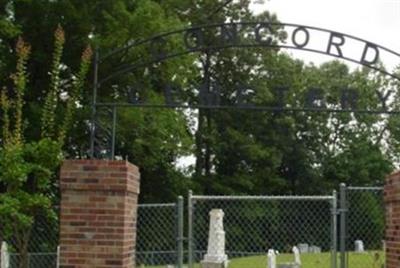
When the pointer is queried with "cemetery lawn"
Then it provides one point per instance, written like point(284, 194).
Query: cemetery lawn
point(322, 260)
point(368, 259)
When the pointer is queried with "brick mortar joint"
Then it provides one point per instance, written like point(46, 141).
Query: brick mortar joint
point(76, 163)
point(392, 200)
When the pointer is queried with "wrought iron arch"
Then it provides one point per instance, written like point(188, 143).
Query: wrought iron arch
point(227, 35)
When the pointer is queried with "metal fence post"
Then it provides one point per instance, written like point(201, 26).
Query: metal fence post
point(58, 256)
point(180, 231)
point(190, 230)
point(334, 230)
point(343, 211)
point(114, 127)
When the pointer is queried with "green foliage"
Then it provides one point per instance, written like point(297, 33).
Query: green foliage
point(20, 80)
point(235, 151)
point(75, 96)
point(105, 25)
point(27, 167)
point(50, 105)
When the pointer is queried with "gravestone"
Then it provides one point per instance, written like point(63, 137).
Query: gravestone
point(314, 249)
point(215, 257)
point(303, 248)
point(4, 256)
point(297, 261)
point(359, 246)
point(296, 253)
point(271, 259)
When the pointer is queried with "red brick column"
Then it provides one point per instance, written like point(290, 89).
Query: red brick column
point(98, 213)
point(392, 203)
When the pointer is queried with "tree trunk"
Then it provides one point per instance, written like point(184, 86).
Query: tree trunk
point(199, 146)
point(202, 156)
point(23, 243)
point(207, 154)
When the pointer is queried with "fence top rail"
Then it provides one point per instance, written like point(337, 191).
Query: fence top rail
point(263, 197)
point(36, 254)
point(157, 205)
point(155, 252)
point(367, 188)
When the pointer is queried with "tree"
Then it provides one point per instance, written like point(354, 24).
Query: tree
point(108, 25)
point(280, 152)
point(236, 151)
point(224, 71)
point(27, 168)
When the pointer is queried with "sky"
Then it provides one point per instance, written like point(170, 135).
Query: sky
point(377, 21)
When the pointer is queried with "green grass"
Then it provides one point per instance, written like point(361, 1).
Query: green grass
point(370, 259)
point(322, 260)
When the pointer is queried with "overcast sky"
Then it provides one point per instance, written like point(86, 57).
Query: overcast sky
point(377, 21)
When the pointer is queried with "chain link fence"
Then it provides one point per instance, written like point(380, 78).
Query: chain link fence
point(362, 227)
point(159, 234)
point(42, 246)
point(254, 224)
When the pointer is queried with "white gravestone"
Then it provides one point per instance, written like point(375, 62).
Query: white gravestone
point(5, 257)
point(271, 259)
point(359, 246)
point(296, 253)
point(216, 256)
point(297, 261)
point(314, 249)
point(303, 248)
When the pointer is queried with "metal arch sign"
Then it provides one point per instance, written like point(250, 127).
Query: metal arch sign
point(234, 35)
point(253, 34)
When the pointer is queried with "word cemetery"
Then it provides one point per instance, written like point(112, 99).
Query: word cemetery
point(245, 97)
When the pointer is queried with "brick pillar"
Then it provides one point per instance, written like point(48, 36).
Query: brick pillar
point(392, 203)
point(98, 213)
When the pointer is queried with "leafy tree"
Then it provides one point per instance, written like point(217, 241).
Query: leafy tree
point(236, 151)
point(280, 152)
point(108, 25)
point(27, 168)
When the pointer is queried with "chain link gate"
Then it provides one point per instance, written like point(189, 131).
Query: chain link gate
point(159, 239)
point(362, 227)
point(254, 224)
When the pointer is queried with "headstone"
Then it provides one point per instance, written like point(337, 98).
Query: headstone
point(296, 253)
point(314, 249)
point(5, 257)
point(297, 261)
point(303, 248)
point(271, 259)
point(359, 246)
point(216, 257)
